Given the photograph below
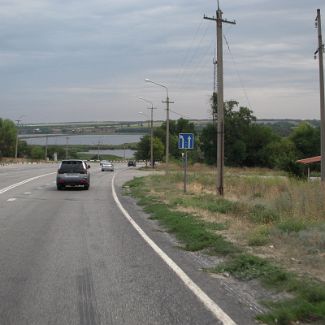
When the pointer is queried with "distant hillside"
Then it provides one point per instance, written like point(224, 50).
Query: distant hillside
point(282, 127)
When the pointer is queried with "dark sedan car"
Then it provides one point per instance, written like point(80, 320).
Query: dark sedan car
point(132, 163)
point(73, 173)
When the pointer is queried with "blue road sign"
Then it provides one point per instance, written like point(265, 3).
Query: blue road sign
point(185, 141)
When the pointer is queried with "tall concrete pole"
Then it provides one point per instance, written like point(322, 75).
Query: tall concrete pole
point(46, 145)
point(320, 52)
point(220, 119)
point(167, 132)
point(151, 129)
point(167, 102)
point(17, 139)
point(151, 138)
point(66, 148)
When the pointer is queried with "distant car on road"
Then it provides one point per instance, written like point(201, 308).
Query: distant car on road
point(132, 163)
point(103, 162)
point(107, 166)
point(73, 173)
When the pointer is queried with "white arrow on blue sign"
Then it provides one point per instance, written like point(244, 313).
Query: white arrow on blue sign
point(185, 141)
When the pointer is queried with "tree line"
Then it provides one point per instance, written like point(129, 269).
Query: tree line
point(247, 144)
point(8, 138)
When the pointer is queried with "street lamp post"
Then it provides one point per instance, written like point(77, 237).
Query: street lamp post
point(147, 118)
point(67, 148)
point(151, 130)
point(167, 119)
point(98, 144)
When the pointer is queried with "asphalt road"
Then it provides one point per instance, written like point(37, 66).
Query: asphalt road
point(72, 257)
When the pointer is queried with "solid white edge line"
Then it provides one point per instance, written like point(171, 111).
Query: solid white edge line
point(10, 187)
point(200, 294)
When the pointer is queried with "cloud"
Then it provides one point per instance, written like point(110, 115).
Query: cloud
point(58, 57)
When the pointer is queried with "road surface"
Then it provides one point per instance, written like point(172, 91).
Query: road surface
point(72, 257)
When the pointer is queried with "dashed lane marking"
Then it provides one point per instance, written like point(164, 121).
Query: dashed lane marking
point(8, 188)
point(11, 199)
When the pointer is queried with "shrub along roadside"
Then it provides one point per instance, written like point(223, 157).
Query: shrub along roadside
point(308, 303)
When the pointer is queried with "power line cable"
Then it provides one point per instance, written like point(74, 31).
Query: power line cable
point(181, 75)
point(187, 55)
point(179, 114)
point(198, 67)
point(237, 72)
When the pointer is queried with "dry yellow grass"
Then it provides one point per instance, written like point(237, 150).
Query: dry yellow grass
point(292, 200)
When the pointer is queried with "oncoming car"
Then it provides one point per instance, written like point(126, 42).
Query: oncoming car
point(107, 166)
point(73, 173)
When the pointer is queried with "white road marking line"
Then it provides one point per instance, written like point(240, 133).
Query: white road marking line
point(28, 193)
point(8, 188)
point(11, 199)
point(199, 293)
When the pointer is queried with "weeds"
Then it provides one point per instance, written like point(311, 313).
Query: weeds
point(308, 303)
point(263, 214)
point(259, 237)
point(195, 234)
point(209, 203)
point(277, 210)
point(292, 225)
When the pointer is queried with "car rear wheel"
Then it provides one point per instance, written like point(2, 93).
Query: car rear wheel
point(59, 187)
point(86, 187)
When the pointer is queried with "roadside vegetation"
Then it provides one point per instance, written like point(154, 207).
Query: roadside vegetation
point(268, 227)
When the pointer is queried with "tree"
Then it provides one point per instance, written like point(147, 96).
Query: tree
point(245, 141)
point(143, 149)
point(238, 121)
point(258, 138)
point(283, 155)
point(37, 152)
point(8, 135)
point(23, 149)
point(59, 150)
point(175, 127)
point(306, 139)
point(208, 140)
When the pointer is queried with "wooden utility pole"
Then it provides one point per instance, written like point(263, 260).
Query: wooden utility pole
point(220, 119)
point(320, 52)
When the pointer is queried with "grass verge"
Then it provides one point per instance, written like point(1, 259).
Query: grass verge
point(195, 234)
point(307, 304)
point(308, 296)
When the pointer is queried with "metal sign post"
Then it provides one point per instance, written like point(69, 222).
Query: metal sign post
point(185, 171)
point(185, 142)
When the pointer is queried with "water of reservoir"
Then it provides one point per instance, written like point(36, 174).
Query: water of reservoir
point(127, 153)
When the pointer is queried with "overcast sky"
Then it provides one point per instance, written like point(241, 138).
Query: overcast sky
point(81, 60)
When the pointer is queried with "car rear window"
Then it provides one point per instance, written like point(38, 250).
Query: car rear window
point(72, 167)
